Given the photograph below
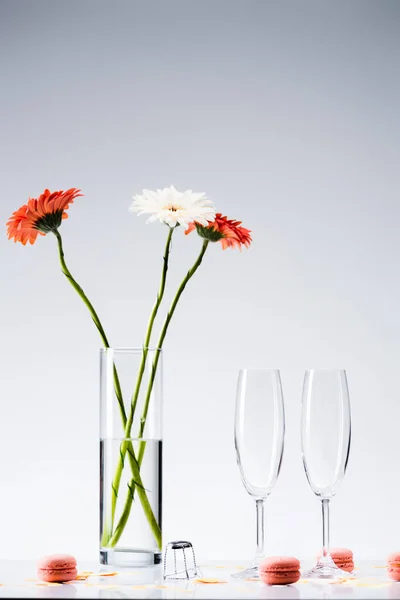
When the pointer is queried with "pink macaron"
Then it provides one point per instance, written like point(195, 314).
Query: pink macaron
point(343, 558)
point(393, 562)
point(280, 570)
point(57, 568)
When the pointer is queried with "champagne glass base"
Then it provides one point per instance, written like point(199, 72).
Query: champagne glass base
point(326, 570)
point(250, 573)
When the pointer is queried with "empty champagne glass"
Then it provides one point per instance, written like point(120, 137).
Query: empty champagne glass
point(259, 438)
point(325, 440)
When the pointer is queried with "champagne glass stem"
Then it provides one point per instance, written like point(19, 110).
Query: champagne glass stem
point(325, 528)
point(260, 504)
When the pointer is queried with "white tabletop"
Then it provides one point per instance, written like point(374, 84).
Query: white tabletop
point(19, 580)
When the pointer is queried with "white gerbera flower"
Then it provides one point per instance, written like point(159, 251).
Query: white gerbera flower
point(174, 208)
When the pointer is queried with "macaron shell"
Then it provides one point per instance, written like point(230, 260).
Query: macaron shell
point(342, 557)
point(280, 570)
point(57, 575)
point(394, 559)
point(279, 578)
point(340, 554)
point(394, 566)
point(280, 563)
point(344, 554)
point(345, 566)
point(57, 561)
point(394, 573)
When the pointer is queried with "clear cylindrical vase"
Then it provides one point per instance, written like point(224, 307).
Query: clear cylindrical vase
point(130, 456)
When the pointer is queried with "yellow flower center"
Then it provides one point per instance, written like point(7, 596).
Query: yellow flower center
point(173, 207)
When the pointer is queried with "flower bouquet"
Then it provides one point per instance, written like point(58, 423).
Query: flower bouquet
point(130, 456)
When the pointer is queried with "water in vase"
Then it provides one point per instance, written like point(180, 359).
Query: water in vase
point(127, 537)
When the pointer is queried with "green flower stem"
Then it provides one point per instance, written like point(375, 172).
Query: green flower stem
point(163, 333)
point(130, 496)
point(95, 319)
point(128, 425)
point(132, 459)
point(137, 482)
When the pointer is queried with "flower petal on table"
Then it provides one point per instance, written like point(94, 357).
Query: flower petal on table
point(209, 580)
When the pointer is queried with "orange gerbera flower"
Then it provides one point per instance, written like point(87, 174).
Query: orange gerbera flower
point(40, 215)
point(228, 231)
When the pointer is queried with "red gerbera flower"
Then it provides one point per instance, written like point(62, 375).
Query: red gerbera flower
point(40, 216)
point(229, 232)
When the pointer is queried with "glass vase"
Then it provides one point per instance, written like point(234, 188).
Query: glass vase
point(130, 456)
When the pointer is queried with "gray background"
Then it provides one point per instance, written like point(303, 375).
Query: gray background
point(287, 115)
